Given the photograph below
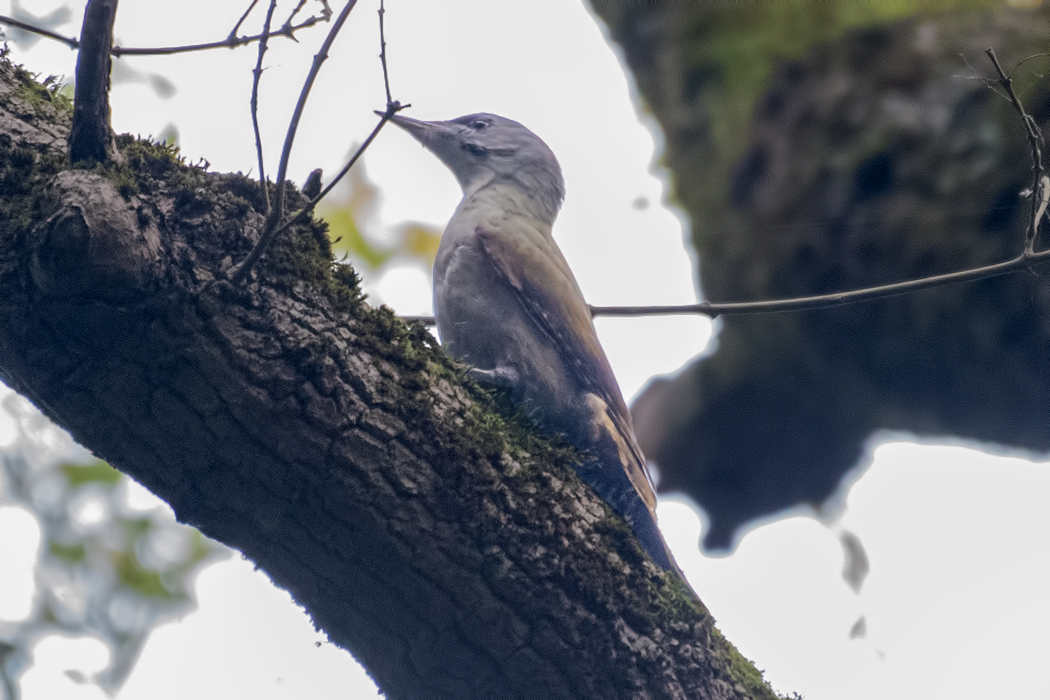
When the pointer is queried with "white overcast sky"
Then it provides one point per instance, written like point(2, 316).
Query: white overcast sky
point(959, 541)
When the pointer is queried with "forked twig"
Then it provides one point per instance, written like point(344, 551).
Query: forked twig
point(1034, 144)
point(237, 27)
point(273, 220)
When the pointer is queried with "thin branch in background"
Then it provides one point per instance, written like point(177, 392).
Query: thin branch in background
point(231, 42)
point(256, 77)
point(1035, 139)
point(90, 136)
point(32, 28)
point(1022, 263)
point(237, 27)
point(287, 31)
point(271, 226)
point(1026, 59)
point(382, 51)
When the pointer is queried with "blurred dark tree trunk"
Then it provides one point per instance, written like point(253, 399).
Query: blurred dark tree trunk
point(822, 147)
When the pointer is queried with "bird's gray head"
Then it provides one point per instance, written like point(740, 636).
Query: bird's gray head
point(483, 149)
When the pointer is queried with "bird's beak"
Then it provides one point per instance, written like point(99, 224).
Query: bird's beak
point(444, 140)
point(427, 133)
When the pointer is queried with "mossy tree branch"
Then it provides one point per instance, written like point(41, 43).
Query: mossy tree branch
point(450, 548)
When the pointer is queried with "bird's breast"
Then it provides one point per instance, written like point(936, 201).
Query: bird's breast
point(482, 321)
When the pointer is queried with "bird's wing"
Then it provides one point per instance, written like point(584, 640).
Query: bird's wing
point(533, 266)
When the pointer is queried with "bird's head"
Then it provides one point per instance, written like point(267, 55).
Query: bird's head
point(481, 149)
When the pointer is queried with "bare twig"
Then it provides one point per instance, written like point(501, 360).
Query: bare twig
point(237, 27)
point(271, 226)
point(1026, 59)
point(32, 28)
point(824, 301)
point(287, 31)
point(1044, 199)
point(1035, 144)
point(382, 51)
point(1022, 263)
point(256, 77)
point(231, 42)
point(90, 135)
point(392, 108)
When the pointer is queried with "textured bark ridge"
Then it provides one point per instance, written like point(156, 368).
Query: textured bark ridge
point(448, 547)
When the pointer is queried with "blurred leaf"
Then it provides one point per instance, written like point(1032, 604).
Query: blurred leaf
point(350, 209)
point(134, 576)
point(859, 630)
point(115, 577)
point(420, 241)
point(64, 94)
point(164, 88)
point(855, 566)
point(73, 554)
point(123, 73)
point(201, 547)
point(136, 527)
point(96, 472)
point(169, 135)
point(347, 238)
point(52, 20)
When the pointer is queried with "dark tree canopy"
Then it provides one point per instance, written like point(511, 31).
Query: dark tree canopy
point(818, 148)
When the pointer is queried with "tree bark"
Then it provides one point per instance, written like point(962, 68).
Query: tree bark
point(443, 542)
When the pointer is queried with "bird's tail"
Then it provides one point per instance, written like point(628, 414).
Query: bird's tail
point(607, 476)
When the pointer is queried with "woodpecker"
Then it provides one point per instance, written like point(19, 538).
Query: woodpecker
point(507, 304)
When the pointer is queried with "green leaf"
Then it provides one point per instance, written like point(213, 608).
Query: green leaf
point(94, 473)
point(70, 553)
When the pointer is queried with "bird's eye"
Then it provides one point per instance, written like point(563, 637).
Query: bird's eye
point(478, 124)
